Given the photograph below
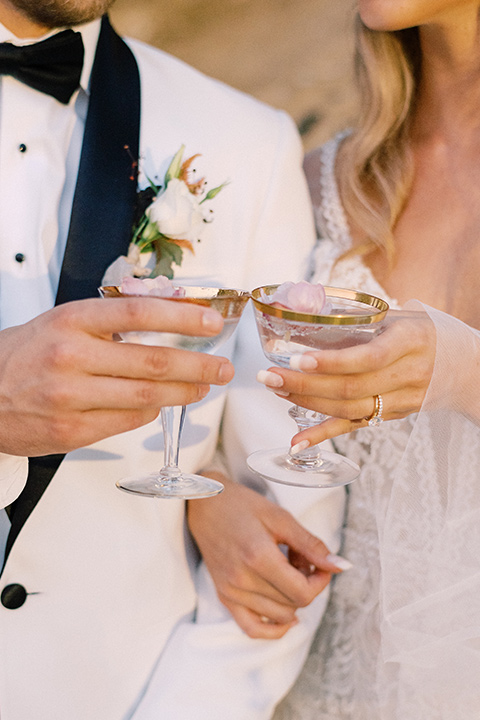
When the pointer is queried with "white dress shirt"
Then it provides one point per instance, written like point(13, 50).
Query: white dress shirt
point(40, 145)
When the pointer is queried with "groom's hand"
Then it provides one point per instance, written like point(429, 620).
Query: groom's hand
point(65, 382)
point(240, 534)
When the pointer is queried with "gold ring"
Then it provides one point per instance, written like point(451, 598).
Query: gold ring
point(376, 417)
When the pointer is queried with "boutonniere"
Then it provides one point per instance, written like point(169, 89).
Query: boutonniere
point(170, 219)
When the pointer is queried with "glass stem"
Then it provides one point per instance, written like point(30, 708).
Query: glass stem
point(304, 419)
point(173, 419)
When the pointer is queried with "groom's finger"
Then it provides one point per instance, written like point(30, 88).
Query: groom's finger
point(154, 363)
point(121, 394)
point(104, 317)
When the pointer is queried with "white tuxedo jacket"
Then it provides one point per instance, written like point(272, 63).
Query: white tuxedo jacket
point(106, 632)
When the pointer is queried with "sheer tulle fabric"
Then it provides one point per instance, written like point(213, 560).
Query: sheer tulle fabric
point(400, 639)
point(429, 539)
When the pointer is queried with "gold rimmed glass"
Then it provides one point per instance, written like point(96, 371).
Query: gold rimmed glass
point(170, 481)
point(353, 318)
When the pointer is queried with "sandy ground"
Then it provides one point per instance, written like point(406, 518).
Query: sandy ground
point(293, 54)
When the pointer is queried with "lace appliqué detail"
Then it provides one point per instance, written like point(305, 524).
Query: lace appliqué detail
point(329, 215)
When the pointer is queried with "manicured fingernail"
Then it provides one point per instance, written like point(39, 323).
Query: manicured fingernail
point(211, 320)
point(299, 447)
point(225, 372)
point(340, 562)
point(281, 393)
point(270, 379)
point(303, 362)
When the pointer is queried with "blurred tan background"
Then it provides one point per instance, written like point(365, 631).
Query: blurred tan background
point(293, 54)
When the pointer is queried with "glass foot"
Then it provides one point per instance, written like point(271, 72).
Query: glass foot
point(332, 470)
point(182, 487)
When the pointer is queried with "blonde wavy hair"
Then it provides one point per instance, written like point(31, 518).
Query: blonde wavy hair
point(375, 167)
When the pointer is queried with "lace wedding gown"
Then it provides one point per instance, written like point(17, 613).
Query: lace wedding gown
point(391, 646)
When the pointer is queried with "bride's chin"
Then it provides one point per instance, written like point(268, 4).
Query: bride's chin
point(382, 15)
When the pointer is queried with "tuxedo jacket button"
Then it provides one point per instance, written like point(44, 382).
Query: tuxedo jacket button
point(13, 596)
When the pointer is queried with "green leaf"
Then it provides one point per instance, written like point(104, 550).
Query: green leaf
point(163, 267)
point(153, 185)
point(167, 247)
point(175, 166)
point(168, 253)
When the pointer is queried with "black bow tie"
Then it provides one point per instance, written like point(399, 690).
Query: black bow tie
point(52, 66)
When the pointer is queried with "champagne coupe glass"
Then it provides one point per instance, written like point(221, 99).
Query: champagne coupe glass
point(354, 318)
point(170, 481)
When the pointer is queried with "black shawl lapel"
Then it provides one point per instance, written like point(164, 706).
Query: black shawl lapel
point(103, 208)
point(104, 201)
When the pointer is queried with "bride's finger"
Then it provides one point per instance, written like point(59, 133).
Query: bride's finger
point(263, 606)
point(399, 340)
point(257, 625)
point(327, 430)
point(394, 406)
point(404, 401)
point(410, 372)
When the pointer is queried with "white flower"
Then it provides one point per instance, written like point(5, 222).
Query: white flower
point(177, 213)
point(168, 226)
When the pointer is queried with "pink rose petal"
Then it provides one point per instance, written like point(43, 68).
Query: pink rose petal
point(302, 297)
point(160, 286)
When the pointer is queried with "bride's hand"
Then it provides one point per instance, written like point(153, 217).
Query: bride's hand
point(239, 533)
point(397, 364)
